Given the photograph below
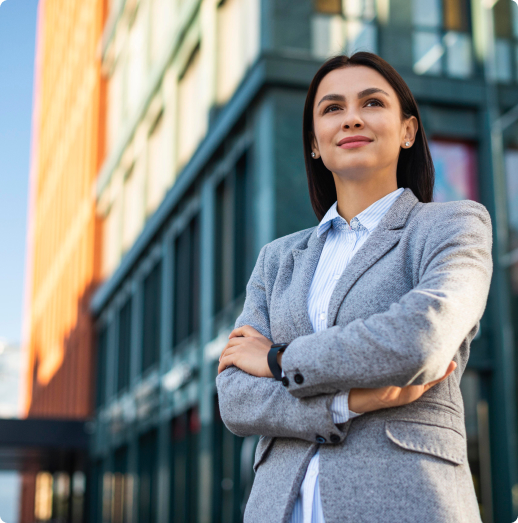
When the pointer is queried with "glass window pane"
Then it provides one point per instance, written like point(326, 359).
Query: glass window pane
point(503, 19)
point(156, 175)
point(332, 7)
point(455, 171)
point(361, 36)
point(427, 51)
point(459, 61)
point(151, 317)
point(514, 13)
point(427, 13)
point(455, 15)
point(123, 367)
point(191, 111)
point(327, 35)
point(503, 60)
point(511, 167)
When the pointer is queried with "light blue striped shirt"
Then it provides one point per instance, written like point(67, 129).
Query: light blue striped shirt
point(342, 242)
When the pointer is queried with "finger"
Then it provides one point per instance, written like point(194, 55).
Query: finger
point(224, 363)
point(451, 367)
point(245, 330)
point(231, 343)
point(227, 352)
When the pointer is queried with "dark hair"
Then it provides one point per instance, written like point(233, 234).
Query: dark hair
point(415, 166)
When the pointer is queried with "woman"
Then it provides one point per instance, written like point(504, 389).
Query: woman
point(376, 308)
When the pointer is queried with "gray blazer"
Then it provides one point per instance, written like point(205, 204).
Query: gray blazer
point(408, 303)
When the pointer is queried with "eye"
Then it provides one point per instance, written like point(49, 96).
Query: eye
point(379, 102)
point(329, 107)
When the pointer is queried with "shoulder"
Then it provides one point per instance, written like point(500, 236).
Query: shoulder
point(440, 218)
point(284, 244)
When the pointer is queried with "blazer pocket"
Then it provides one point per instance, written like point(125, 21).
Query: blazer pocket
point(264, 444)
point(436, 440)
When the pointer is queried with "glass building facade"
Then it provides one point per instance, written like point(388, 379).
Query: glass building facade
point(204, 166)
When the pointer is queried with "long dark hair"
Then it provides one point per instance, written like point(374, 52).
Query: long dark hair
point(415, 166)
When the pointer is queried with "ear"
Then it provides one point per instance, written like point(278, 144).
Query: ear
point(411, 127)
point(314, 147)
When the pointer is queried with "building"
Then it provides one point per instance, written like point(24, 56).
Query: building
point(196, 163)
point(204, 165)
point(62, 261)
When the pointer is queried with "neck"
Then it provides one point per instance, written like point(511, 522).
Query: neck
point(354, 196)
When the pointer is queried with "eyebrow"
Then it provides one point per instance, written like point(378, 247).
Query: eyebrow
point(361, 94)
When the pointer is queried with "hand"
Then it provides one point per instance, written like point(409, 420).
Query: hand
point(366, 400)
point(248, 350)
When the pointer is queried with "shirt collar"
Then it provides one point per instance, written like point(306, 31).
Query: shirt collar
point(369, 217)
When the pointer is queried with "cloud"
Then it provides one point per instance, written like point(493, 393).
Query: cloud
point(1, 2)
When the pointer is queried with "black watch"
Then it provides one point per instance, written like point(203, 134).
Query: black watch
point(272, 359)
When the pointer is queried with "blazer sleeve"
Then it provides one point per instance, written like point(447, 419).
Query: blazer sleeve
point(255, 405)
point(415, 339)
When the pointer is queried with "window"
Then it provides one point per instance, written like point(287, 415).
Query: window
point(151, 316)
point(191, 110)
point(237, 43)
point(185, 430)
point(455, 171)
point(133, 202)
point(233, 473)
point(162, 20)
point(233, 240)
point(124, 353)
point(136, 62)
point(112, 237)
point(441, 40)
point(156, 175)
point(186, 282)
point(102, 346)
point(121, 487)
point(343, 26)
point(506, 40)
point(511, 167)
point(148, 478)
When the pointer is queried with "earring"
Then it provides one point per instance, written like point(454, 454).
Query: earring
point(407, 143)
point(313, 154)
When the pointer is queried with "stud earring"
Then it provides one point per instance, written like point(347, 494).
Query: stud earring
point(407, 143)
point(313, 154)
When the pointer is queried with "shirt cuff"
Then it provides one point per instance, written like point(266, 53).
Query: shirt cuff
point(282, 373)
point(340, 408)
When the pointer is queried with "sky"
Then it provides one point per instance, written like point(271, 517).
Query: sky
point(17, 48)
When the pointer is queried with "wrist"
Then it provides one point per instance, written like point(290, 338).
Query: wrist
point(274, 361)
point(360, 401)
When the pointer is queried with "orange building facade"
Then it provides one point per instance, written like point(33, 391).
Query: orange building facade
point(63, 231)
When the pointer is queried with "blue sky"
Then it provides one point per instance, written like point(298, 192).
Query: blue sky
point(17, 46)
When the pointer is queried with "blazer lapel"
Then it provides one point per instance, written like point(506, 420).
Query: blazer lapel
point(305, 262)
point(380, 241)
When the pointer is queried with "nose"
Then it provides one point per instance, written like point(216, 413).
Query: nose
point(352, 120)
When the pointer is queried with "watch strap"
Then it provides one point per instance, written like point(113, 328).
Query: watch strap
point(272, 359)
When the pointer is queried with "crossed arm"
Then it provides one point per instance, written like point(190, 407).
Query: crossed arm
point(410, 344)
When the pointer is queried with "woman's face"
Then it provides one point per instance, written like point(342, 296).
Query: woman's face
point(357, 100)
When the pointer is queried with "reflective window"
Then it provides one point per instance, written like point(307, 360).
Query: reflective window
point(151, 317)
point(441, 40)
point(455, 171)
point(124, 352)
point(186, 282)
point(157, 175)
point(148, 478)
point(192, 117)
point(343, 26)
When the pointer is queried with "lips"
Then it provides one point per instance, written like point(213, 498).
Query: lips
point(356, 138)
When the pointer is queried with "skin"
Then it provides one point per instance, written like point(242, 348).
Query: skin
point(362, 176)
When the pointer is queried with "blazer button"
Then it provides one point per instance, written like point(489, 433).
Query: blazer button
point(299, 378)
point(285, 381)
point(335, 438)
point(321, 439)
